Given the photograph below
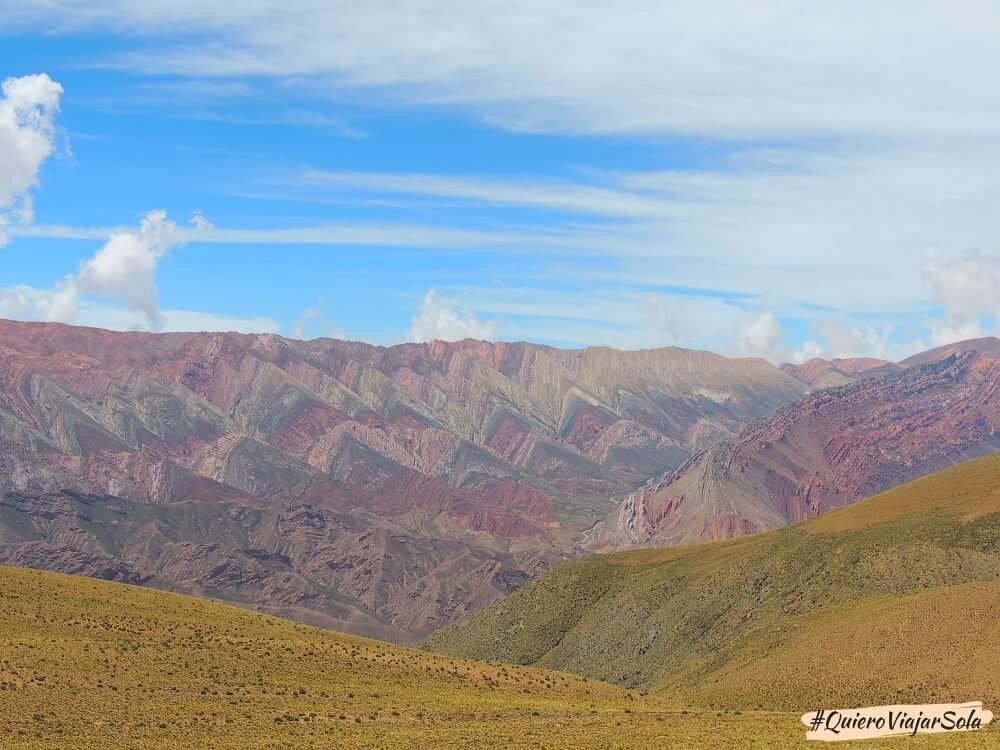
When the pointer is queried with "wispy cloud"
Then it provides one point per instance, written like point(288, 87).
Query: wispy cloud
point(858, 158)
point(566, 197)
point(736, 69)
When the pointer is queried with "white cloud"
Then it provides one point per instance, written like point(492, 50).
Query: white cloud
point(558, 196)
point(125, 268)
point(173, 320)
point(313, 322)
point(60, 304)
point(19, 303)
point(843, 340)
point(968, 289)
point(810, 349)
point(446, 319)
point(27, 138)
point(28, 303)
point(951, 330)
point(733, 68)
point(678, 320)
point(122, 270)
point(890, 143)
point(761, 336)
point(299, 327)
point(631, 320)
point(967, 286)
point(834, 338)
point(848, 228)
point(376, 235)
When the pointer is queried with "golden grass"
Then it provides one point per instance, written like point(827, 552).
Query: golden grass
point(89, 664)
point(892, 600)
point(937, 645)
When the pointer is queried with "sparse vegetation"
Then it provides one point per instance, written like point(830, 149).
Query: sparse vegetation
point(89, 664)
point(893, 599)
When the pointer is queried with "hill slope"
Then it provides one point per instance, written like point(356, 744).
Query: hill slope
point(94, 665)
point(90, 664)
point(485, 461)
point(832, 448)
point(893, 599)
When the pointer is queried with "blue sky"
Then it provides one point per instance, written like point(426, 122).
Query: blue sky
point(763, 180)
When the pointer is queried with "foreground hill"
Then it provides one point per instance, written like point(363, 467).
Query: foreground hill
point(895, 599)
point(384, 490)
point(90, 664)
point(829, 449)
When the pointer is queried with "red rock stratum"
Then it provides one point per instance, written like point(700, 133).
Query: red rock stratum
point(382, 490)
point(829, 449)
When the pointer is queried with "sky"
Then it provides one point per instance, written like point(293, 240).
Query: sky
point(775, 179)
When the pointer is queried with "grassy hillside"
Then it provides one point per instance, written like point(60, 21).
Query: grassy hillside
point(894, 599)
point(89, 664)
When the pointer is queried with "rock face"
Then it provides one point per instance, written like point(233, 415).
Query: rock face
point(380, 490)
point(831, 448)
point(312, 564)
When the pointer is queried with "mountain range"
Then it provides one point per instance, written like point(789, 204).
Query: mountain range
point(835, 446)
point(389, 491)
point(454, 494)
point(380, 490)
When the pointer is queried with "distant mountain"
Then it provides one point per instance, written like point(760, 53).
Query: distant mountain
point(829, 373)
point(890, 600)
point(831, 448)
point(383, 490)
point(988, 346)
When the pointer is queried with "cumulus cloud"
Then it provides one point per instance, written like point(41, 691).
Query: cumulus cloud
point(29, 303)
point(951, 330)
point(761, 336)
point(686, 321)
point(19, 303)
point(27, 138)
point(123, 270)
point(831, 339)
point(810, 349)
point(968, 288)
point(630, 320)
point(446, 319)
